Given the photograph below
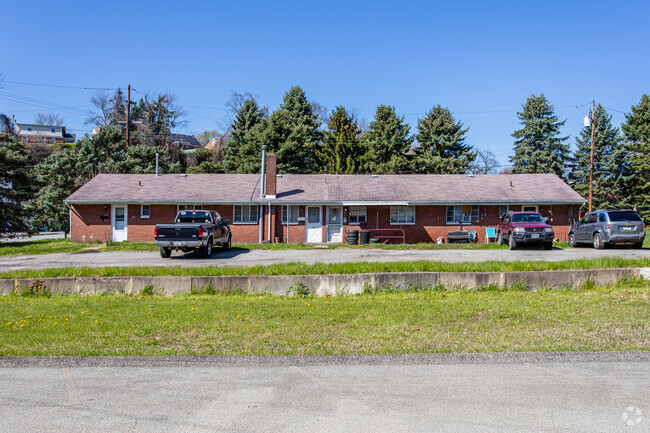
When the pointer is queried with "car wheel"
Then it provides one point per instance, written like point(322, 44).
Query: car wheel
point(500, 239)
point(638, 245)
point(598, 241)
point(512, 244)
point(548, 246)
point(572, 240)
point(228, 244)
point(165, 252)
point(207, 249)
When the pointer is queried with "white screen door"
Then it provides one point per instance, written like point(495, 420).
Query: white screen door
point(119, 219)
point(334, 232)
point(314, 226)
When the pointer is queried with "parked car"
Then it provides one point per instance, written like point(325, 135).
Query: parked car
point(193, 230)
point(524, 228)
point(608, 226)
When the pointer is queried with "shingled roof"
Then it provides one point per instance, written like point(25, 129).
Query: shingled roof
point(328, 188)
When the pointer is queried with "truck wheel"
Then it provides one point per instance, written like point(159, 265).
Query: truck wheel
point(228, 244)
point(638, 245)
point(598, 241)
point(512, 243)
point(500, 239)
point(548, 246)
point(206, 251)
point(572, 240)
point(165, 252)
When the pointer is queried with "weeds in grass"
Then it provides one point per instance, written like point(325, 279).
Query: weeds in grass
point(36, 288)
point(299, 289)
point(205, 290)
point(148, 290)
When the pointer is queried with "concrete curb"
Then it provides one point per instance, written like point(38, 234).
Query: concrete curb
point(323, 285)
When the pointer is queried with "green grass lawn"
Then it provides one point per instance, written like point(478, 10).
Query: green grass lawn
point(298, 268)
point(587, 319)
point(45, 246)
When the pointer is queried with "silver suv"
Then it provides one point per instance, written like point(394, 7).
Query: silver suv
point(608, 226)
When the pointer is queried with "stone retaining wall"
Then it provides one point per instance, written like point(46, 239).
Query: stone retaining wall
point(322, 285)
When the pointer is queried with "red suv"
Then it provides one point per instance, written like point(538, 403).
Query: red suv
point(524, 228)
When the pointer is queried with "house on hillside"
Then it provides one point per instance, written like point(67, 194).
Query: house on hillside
point(186, 142)
point(317, 207)
point(31, 133)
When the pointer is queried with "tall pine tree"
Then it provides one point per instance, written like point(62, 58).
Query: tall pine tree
point(387, 141)
point(442, 148)
point(341, 151)
point(14, 182)
point(611, 173)
point(637, 132)
point(538, 145)
point(242, 152)
point(292, 133)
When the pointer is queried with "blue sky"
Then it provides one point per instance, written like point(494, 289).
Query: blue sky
point(480, 59)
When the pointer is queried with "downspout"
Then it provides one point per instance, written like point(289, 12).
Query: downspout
point(261, 224)
point(269, 205)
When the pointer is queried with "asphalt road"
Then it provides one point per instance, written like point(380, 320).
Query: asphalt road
point(595, 392)
point(266, 257)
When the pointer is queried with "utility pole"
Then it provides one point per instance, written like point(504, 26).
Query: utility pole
point(591, 164)
point(128, 116)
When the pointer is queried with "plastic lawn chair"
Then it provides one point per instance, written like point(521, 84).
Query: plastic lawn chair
point(490, 232)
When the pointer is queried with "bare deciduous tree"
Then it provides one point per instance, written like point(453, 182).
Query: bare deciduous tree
point(102, 114)
point(50, 119)
point(485, 163)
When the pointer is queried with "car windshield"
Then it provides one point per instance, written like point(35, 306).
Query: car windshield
point(189, 216)
point(527, 218)
point(624, 216)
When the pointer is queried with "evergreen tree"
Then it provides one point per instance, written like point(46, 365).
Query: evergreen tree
point(611, 172)
point(292, 133)
point(637, 132)
point(538, 145)
point(387, 142)
point(242, 152)
point(341, 151)
point(67, 170)
point(442, 147)
point(14, 182)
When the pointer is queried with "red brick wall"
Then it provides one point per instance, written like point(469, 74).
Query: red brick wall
point(86, 224)
point(430, 223)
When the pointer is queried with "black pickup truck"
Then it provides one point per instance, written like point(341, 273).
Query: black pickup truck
point(193, 230)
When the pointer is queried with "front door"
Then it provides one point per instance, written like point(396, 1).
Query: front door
point(119, 218)
point(314, 226)
point(334, 232)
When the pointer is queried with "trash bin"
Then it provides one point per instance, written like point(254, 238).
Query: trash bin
point(365, 237)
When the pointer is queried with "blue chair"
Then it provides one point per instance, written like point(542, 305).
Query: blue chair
point(490, 232)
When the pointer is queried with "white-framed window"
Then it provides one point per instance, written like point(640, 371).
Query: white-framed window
point(530, 208)
point(502, 209)
point(53, 129)
point(292, 211)
point(189, 207)
point(402, 214)
point(245, 214)
point(145, 211)
point(29, 128)
point(462, 214)
point(357, 215)
point(52, 140)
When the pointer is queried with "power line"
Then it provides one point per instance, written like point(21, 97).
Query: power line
point(60, 86)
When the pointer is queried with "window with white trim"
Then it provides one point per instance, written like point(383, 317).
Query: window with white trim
point(530, 208)
point(462, 214)
point(357, 215)
point(293, 214)
point(53, 129)
point(145, 211)
point(190, 207)
point(245, 214)
point(402, 214)
point(502, 209)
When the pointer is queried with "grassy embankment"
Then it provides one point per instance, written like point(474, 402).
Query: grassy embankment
point(330, 268)
point(488, 320)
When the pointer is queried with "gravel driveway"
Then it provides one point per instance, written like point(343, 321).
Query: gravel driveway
point(266, 257)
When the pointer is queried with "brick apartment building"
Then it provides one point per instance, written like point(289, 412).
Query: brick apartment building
point(317, 207)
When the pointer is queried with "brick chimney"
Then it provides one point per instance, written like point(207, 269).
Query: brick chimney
point(270, 183)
